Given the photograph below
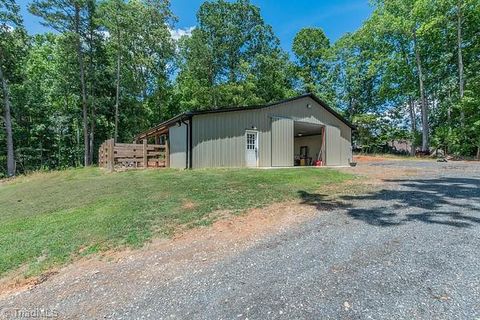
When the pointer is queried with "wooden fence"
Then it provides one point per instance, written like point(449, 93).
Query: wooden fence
point(113, 155)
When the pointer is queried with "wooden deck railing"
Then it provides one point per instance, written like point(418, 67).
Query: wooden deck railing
point(113, 155)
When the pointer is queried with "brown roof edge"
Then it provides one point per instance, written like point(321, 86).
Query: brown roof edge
point(185, 115)
point(165, 124)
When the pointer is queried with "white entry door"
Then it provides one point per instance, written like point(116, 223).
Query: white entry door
point(251, 148)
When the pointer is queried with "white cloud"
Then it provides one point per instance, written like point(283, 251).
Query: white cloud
point(178, 33)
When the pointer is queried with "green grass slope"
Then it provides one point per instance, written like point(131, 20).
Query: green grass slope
point(49, 219)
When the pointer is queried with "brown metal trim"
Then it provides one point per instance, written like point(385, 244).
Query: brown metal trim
point(162, 126)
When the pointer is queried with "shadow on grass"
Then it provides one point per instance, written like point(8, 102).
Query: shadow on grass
point(452, 202)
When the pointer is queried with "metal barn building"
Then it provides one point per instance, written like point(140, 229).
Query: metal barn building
point(298, 131)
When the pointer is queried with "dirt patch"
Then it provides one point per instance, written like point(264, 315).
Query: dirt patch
point(189, 205)
point(368, 158)
point(375, 175)
point(16, 281)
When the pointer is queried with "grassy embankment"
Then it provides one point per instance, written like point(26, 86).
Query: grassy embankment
point(49, 219)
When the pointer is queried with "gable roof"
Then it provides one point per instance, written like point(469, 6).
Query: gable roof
point(189, 114)
point(308, 95)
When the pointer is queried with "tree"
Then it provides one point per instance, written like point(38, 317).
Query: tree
point(461, 81)
point(11, 32)
point(70, 17)
point(113, 17)
point(313, 58)
point(231, 58)
point(407, 42)
point(141, 53)
point(395, 31)
point(355, 75)
point(450, 41)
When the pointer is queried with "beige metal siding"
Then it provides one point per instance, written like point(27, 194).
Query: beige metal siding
point(219, 138)
point(178, 146)
point(334, 146)
point(347, 153)
point(282, 142)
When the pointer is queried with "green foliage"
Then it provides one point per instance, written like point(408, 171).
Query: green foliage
point(313, 54)
point(355, 76)
point(377, 69)
point(42, 225)
point(374, 132)
point(138, 32)
point(13, 42)
point(231, 59)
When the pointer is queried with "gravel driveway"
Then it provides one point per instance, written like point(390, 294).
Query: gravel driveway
point(408, 250)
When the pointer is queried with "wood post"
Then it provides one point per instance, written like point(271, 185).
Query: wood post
point(111, 155)
point(167, 153)
point(100, 155)
point(105, 154)
point(145, 154)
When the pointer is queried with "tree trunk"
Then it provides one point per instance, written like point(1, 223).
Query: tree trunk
point(352, 110)
point(117, 95)
point(461, 80)
point(8, 123)
point(92, 97)
point(211, 83)
point(449, 110)
point(423, 101)
point(77, 131)
point(413, 120)
point(83, 87)
point(92, 131)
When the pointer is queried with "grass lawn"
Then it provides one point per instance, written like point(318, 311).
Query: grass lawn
point(49, 219)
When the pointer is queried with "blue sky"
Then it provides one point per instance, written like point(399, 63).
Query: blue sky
point(287, 17)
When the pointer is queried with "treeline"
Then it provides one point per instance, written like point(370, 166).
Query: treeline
point(415, 62)
point(113, 68)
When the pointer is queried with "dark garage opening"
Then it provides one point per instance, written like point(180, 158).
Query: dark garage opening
point(308, 144)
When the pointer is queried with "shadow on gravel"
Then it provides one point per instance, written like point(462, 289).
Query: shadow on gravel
point(444, 201)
